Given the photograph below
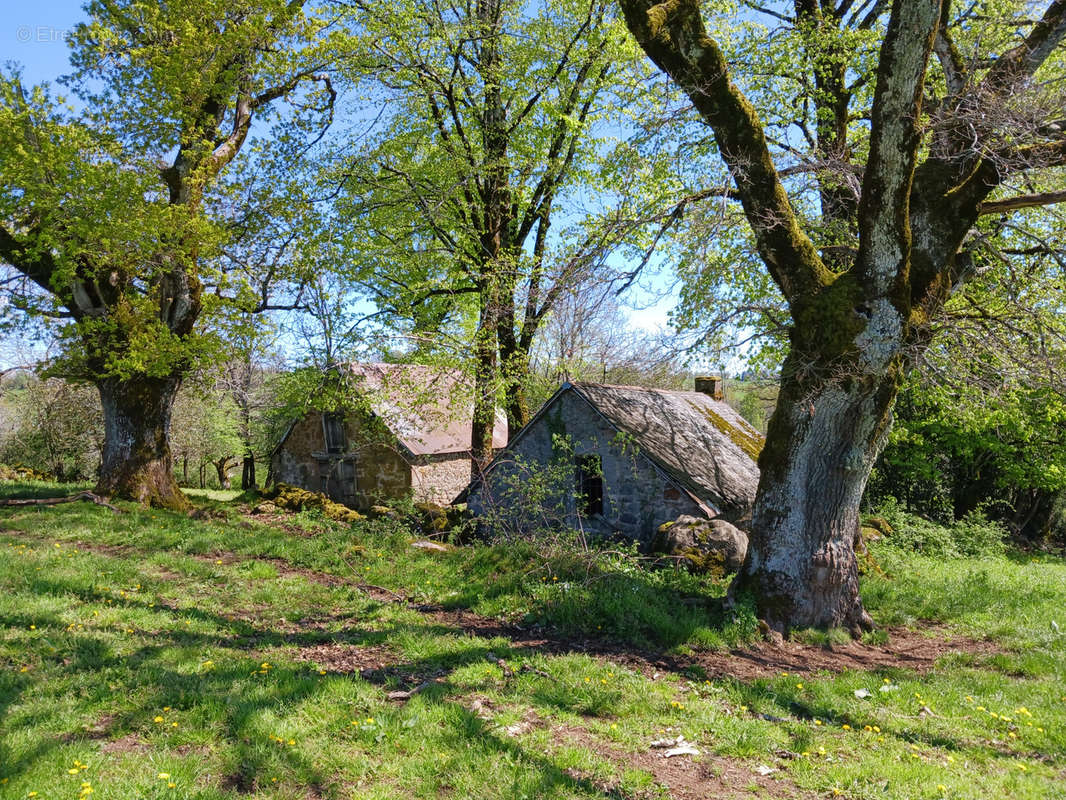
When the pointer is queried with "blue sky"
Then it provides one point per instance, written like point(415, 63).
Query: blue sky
point(33, 34)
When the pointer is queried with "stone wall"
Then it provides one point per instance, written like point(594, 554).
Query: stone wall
point(368, 472)
point(440, 480)
point(637, 496)
point(294, 463)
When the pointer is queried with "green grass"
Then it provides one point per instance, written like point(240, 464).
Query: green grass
point(134, 646)
point(223, 495)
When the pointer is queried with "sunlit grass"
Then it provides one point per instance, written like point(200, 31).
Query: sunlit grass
point(166, 646)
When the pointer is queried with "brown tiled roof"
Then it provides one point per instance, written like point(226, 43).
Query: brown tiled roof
point(428, 409)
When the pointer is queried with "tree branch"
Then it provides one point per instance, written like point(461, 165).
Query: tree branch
point(1021, 201)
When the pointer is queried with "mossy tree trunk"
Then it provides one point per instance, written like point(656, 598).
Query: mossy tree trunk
point(860, 315)
point(136, 460)
point(821, 447)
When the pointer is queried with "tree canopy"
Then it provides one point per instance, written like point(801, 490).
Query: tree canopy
point(118, 218)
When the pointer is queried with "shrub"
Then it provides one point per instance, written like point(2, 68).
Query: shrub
point(972, 536)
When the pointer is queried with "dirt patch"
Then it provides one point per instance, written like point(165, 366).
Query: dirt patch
point(689, 778)
point(130, 743)
point(348, 658)
point(905, 649)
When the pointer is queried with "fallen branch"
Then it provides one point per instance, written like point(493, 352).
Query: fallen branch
point(54, 501)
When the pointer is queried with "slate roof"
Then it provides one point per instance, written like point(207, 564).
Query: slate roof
point(700, 442)
point(428, 409)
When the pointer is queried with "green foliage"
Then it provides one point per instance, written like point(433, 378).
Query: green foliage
point(52, 426)
point(957, 449)
point(972, 536)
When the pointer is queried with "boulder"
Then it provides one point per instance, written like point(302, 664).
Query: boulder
point(703, 545)
point(876, 527)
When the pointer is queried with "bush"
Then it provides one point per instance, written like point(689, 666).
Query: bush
point(973, 535)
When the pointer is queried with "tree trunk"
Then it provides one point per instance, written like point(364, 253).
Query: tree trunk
point(485, 378)
point(514, 364)
point(248, 473)
point(222, 468)
point(820, 449)
point(136, 462)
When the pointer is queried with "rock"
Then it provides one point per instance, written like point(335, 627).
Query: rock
point(380, 512)
point(704, 545)
point(265, 508)
point(436, 547)
point(879, 525)
point(292, 498)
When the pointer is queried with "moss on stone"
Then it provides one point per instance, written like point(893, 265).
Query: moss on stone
point(702, 562)
point(292, 498)
point(752, 445)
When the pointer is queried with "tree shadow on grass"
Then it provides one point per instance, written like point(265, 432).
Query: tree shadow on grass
point(250, 757)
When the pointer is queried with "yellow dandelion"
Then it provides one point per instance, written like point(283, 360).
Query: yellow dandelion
point(157, 719)
point(73, 771)
point(163, 776)
point(845, 727)
point(799, 685)
point(171, 785)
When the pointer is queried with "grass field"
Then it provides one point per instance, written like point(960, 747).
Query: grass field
point(151, 655)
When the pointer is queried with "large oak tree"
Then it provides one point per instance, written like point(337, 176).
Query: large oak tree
point(960, 110)
point(117, 220)
point(495, 181)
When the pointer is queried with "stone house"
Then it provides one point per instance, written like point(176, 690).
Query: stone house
point(410, 436)
point(623, 460)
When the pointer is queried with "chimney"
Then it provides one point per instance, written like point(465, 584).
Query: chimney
point(710, 385)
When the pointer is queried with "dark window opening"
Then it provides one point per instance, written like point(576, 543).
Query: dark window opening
point(590, 485)
point(333, 426)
